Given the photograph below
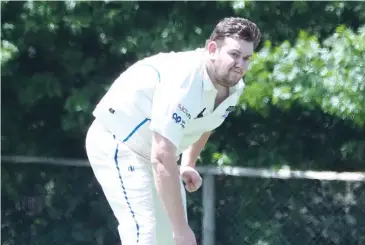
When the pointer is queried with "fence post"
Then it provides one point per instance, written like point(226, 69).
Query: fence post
point(208, 210)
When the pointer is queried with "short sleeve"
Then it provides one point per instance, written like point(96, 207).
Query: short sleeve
point(173, 107)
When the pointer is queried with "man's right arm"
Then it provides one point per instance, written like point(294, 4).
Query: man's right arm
point(167, 179)
point(173, 107)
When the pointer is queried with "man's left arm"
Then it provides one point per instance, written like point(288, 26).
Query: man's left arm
point(190, 155)
point(189, 175)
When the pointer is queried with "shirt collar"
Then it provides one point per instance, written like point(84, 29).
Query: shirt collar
point(207, 83)
point(238, 87)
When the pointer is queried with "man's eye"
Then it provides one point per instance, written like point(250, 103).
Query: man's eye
point(247, 58)
point(235, 55)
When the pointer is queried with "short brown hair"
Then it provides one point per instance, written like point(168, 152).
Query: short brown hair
point(238, 28)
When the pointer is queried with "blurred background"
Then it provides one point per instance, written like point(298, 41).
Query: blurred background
point(303, 109)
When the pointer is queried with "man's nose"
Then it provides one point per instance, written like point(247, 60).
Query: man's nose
point(242, 64)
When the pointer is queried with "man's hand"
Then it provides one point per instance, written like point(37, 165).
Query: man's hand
point(191, 178)
point(188, 174)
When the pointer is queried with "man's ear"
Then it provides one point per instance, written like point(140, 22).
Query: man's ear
point(212, 48)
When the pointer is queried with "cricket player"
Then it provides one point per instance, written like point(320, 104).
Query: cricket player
point(159, 108)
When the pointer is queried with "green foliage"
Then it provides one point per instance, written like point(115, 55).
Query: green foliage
point(329, 76)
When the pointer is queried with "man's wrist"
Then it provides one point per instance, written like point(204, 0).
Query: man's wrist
point(188, 164)
point(186, 167)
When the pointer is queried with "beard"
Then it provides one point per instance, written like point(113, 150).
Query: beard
point(227, 79)
point(223, 77)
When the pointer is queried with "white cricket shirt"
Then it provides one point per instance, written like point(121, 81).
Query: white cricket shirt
point(169, 93)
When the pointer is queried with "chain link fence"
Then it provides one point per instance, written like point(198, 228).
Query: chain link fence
point(56, 204)
point(254, 211)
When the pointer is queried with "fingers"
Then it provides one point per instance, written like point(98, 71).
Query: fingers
point(192, 186)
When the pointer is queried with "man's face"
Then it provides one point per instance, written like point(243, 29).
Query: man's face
point(230, 60)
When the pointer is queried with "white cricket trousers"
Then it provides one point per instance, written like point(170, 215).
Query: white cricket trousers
point(126, 179)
